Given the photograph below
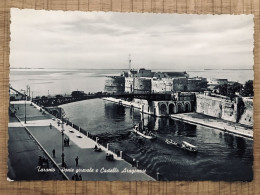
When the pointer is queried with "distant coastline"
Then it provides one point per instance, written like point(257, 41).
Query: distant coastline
point(26, 68)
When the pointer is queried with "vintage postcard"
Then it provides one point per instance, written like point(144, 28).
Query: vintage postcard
point(103, 96)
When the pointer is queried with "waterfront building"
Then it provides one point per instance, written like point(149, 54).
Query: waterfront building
point(196, 84)
point(179, 103)
point(142, 72)
point(160, 75)
point(213, 82)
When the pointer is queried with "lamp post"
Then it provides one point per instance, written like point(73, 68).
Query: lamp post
point(24, 105)
point(25, 108)
point(62, 155)
point(62, 142)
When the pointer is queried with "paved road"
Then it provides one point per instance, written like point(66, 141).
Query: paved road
point(92, 164)
point(23, 155)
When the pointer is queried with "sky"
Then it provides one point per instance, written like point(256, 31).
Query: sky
point(103, 40)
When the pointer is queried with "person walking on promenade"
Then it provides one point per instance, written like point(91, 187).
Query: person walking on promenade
point(77, 160)
point(53, 153)
point(80, 177)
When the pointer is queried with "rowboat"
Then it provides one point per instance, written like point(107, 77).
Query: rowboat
point(183, 145)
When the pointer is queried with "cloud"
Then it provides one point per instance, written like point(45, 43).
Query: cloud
point(61, 39)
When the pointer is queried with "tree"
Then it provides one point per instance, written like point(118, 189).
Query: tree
point(222, 89)
point(248, 89)
point(229, 89)
point(236, 87)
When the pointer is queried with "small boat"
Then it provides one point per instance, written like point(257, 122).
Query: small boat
point(183, 145)
point(189, 147)
point(144, 132)
point(171, 142)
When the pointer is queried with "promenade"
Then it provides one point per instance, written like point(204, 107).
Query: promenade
point(92, 165)
point(227, 126)
point(23, 155)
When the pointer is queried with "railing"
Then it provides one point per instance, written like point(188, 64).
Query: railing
point(126, 157)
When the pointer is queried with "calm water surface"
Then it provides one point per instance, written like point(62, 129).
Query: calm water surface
point(64, 81)
point(221, 156)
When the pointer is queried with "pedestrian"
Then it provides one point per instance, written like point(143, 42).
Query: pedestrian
point(50, 125)
point(80, 177)
point(53, 153)
point(76, 177)
point(77, 160)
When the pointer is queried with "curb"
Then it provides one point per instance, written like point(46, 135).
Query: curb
point(212, 126)
point(56, 165)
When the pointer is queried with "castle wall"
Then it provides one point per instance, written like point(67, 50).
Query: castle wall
point(115, 84)
point(158, 86)
point(247, 113)
point(196, 85)
point(216, 107)
point(129, 84)
point(180, 84)
point(142, 85)
point(192, 84)
point(239, 110)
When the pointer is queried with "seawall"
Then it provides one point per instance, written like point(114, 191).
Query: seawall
point(238, 110)
point(201, 119)
point(229, 127)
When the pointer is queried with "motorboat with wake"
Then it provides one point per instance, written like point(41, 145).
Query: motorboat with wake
point(140, 129)
point(144, 132)
point(183, 145)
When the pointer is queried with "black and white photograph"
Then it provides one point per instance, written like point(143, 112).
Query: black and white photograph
point(110, 96)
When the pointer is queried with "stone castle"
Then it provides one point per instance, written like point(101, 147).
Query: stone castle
point(188, 95)
point(146, 81)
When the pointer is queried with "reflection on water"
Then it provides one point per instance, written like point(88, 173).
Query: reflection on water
point(112, 112)
point(221, 156)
